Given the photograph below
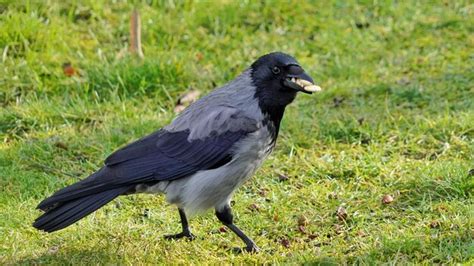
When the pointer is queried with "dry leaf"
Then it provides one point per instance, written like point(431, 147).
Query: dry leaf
point(254, 207)
point(68, 69)
point(276, 218)
point(282, 177)
point(179, 108)
point(199, 56)
point(302, 229)
point(435, 224)
point(53, 249)
point(263, 192)
point(285, 242)
point(387, 199)
point(189, 97)
point(341, 213)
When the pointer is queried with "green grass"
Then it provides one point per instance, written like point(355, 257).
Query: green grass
point(403, 71)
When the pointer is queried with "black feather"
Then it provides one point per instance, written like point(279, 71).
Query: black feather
point(160, 156)
point(169, 155)
point(70, 212)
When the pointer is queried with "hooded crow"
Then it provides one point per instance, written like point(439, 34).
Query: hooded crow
point(199, 159)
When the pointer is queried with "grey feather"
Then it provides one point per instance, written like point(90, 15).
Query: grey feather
point(232, 107)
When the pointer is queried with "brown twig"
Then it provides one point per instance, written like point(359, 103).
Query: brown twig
point(135, 34)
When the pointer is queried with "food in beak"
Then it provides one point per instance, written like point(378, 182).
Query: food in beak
point(306, 85)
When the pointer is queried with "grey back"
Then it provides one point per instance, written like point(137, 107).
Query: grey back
point(232, 107)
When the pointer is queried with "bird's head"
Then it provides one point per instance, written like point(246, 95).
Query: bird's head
point(278, 77)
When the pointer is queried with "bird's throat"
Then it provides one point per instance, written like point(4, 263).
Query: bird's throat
point(273, 116)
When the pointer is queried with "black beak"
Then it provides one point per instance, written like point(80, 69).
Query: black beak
point(301, 82)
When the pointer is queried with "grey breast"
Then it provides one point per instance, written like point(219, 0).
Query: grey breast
point(214, 188)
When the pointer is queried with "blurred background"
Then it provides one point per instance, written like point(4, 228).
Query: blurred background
point(377, 168)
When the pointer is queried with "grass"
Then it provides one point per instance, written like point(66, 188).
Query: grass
point(396, 118)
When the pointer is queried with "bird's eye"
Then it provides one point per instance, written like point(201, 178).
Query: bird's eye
point(276, 70)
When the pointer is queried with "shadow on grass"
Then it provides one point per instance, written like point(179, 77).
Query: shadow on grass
point(69, 257)
point(453, 248)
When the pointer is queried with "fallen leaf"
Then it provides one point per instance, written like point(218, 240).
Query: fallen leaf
point(186, 99)
point(285, 242)
point(179, 108)
point(68, 69)
point(435, 224)
point(223, 229)
point(275, 217)
point(387, 199)
point(199, 56)
point(263, 192)
point(254, 207)
point(189, 97)
point(302, 229)
point(53, 249)
point(282, 177)
point(341, 213)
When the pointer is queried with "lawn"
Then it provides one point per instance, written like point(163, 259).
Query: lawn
point(396, 119)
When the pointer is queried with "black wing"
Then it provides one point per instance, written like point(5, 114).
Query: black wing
point(169, 155)
point(162, 155)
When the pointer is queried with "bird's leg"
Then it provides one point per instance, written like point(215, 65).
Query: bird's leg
point(184, 223)
point(225, 216)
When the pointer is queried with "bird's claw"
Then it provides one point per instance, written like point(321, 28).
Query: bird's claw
point(188, 235)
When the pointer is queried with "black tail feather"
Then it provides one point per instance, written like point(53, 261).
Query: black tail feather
point(78, 190)
point(67, 213)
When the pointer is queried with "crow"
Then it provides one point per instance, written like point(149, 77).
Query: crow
point(201, 158)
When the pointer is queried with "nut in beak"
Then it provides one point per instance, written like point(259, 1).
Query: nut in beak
point(306, 85)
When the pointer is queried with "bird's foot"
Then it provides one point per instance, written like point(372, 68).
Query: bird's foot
point(249, 249)
point(188, 235)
